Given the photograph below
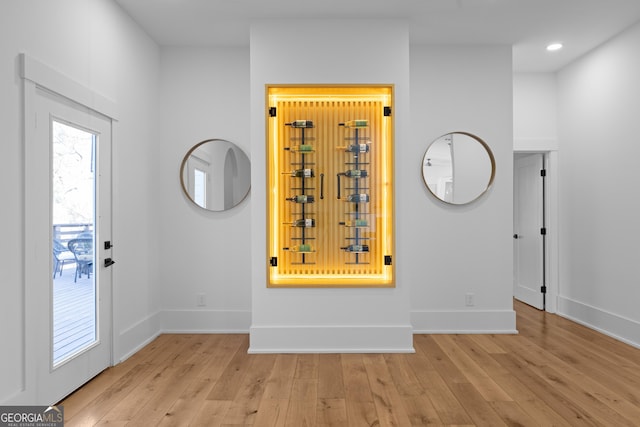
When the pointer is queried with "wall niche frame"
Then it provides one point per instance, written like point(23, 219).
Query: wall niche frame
point(330, 185)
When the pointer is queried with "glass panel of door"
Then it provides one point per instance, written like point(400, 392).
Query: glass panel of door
point(74, 325)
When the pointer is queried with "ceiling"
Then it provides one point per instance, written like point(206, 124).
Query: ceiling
point(527, 25)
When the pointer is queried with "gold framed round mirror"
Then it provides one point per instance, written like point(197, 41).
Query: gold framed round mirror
point(458, 168)
point(215, 175)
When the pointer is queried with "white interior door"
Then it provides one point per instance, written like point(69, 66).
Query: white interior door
point(68, 194)
point(528, 222)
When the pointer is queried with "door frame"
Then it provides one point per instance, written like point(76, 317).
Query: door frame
point(34, 75)
point(549, 149)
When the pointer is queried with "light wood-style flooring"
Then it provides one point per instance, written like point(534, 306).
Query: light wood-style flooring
point(554, 372)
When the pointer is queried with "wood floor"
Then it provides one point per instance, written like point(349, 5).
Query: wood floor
point(554, 372)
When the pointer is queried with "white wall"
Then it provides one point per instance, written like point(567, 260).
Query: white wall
point(450, 251)
point(204, 95)
point(599, 128)
point(535, 112)
point(168, 251)
point(96, 44)
point(328, 51)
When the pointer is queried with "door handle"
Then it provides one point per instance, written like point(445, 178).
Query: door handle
point(108, 262)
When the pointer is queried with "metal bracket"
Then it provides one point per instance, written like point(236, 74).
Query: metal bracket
point(273, 262)
point(387, 260)
point(387, 111)
point(272, 111)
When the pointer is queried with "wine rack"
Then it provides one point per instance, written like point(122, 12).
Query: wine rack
point(329, 186)
point(354, 179)
point(302, 176)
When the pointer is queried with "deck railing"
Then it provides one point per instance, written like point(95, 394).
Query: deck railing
point(66, 232)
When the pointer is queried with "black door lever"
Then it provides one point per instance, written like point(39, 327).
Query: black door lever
point(108, 262)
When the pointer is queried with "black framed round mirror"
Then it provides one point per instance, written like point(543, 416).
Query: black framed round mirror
point(215, 175)
point(458, 168)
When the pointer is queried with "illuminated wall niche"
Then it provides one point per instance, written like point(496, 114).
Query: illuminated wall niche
point(330, 186)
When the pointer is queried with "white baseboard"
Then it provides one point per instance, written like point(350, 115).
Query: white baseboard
point(611, 324)
point(464, 322)
point(331, 339)
point(315, 339)
point(17, 399)
point(134, 338)
point(205, 321)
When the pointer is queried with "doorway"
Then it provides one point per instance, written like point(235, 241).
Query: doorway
point(548, 158)
point(68, 285)
point(529, 228)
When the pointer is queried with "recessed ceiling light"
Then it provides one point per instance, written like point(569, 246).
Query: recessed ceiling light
point(554, 46)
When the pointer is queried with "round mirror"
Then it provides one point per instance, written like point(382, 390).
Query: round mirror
point(215, 174)
point(458, 168)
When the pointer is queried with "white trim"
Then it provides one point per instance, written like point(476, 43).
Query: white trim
point(464, 322)
point(535, 145)
point(205, 321)
point(16, 399)
point(553, 230)
point(331, 339)
point(29, 320)
point(138, 335)
point(46, 77)
point(610, 324)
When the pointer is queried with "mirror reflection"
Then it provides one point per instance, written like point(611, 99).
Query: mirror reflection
point(215, 174)
point(458, 168)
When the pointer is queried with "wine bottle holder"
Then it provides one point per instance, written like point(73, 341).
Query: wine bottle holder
point(357, 189)
point(304, 198)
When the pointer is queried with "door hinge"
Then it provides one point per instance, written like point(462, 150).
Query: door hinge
point(543, 231)
point(543, 289)
point(543, 172)
point(273, 262)
point(272, 111)
point(387, 111)
point(387, 260)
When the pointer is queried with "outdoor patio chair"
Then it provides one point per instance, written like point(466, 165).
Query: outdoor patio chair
point(61, 256)
point(82, 250)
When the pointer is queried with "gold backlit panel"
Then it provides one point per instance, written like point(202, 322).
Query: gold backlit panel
point(324, 261)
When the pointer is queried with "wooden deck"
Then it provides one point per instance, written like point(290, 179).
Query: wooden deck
point(73, 313)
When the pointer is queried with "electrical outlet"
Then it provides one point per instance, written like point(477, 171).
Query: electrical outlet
point(469, 300)
point(201, 300)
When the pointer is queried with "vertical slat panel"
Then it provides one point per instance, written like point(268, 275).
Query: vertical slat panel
point(328, 235)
